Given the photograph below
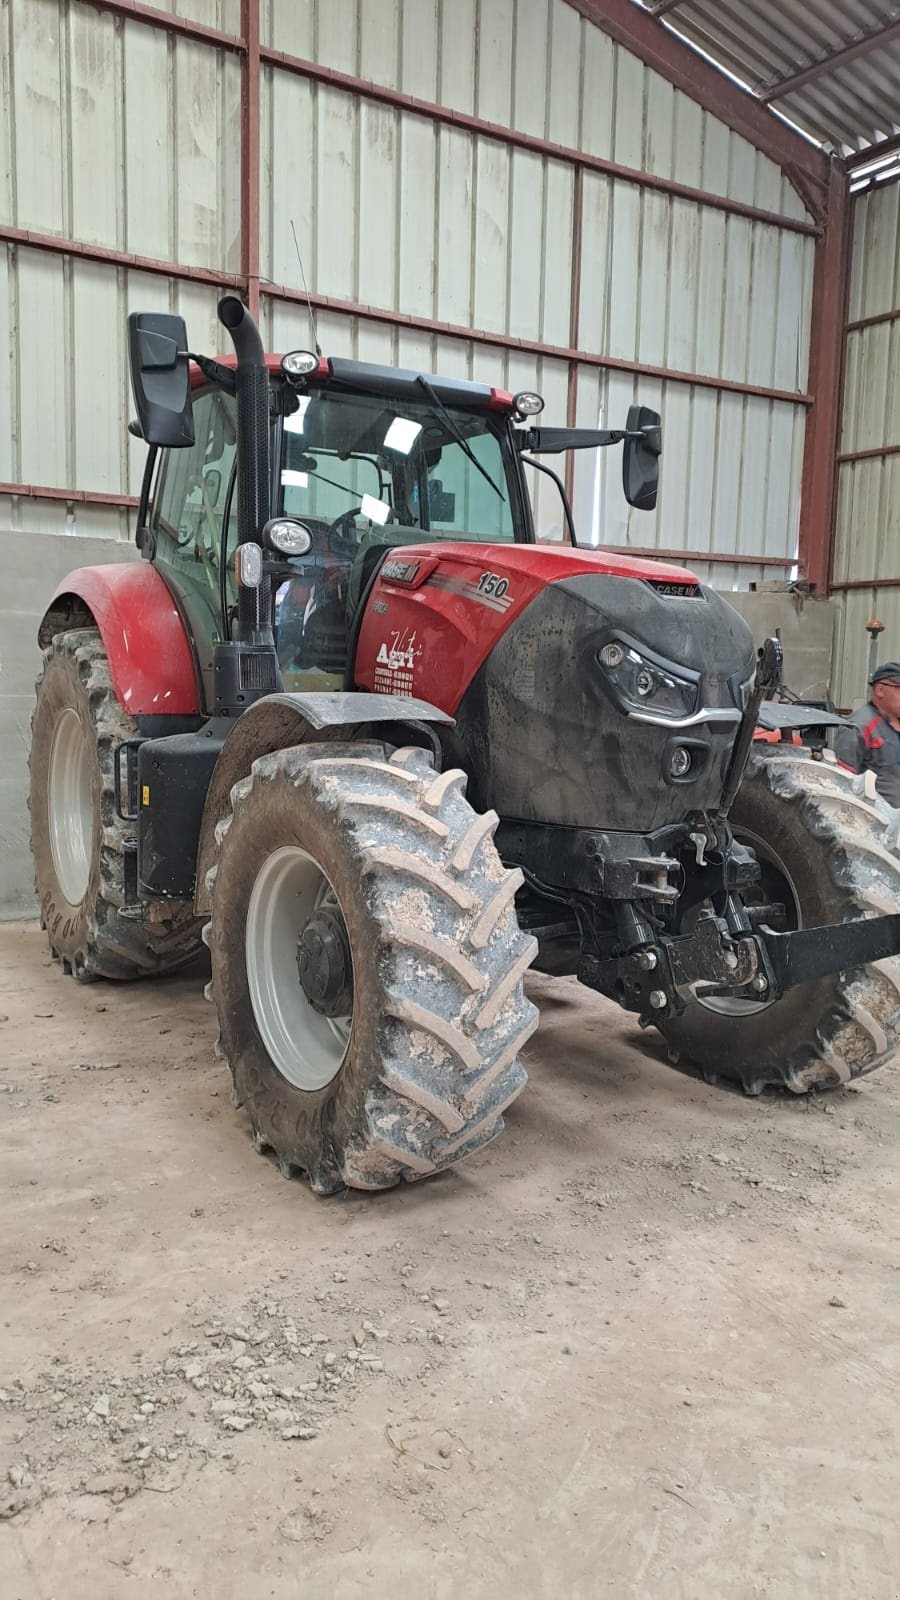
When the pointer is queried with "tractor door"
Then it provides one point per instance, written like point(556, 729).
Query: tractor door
point(186, 520)
point(368, 473)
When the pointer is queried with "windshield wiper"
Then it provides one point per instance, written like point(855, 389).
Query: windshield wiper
point(442, 411)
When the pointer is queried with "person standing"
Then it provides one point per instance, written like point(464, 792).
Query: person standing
point(872, 743)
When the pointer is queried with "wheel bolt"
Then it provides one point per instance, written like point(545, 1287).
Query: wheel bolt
point(658, 999)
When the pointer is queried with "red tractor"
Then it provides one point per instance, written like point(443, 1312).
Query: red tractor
point(351, 725)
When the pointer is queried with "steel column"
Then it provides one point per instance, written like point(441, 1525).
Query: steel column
point(826, 364)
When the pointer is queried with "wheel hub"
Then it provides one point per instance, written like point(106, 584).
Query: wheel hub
point(324, 965)
point(70, 806)
point(293, 907)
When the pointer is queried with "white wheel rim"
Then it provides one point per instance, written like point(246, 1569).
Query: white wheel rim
point(70, 806)
point(307, 1048)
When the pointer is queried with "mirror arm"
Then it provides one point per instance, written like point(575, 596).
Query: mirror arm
point(541, 466)
point(142, 529)
point(553, 441)
point(214, 370)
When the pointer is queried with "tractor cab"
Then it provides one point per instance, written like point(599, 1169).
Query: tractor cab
point(366, 459)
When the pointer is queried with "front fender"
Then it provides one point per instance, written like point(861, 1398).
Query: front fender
point(280, 720)
point(151, 660)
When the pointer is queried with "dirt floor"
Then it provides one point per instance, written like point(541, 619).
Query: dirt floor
point(648, 1344)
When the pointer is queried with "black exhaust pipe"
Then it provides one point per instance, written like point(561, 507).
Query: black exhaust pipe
point(246, 668)
point(252, 392)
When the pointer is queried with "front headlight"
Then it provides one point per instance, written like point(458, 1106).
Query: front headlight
point(644, 683)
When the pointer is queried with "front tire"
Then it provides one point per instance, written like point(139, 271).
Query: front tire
point(833, 848)
point(79, 843)
point(375, 883)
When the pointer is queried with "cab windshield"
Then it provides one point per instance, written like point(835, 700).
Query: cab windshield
point(377, 471)
point(366, 473)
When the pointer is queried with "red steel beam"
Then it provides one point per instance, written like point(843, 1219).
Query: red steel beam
point(397, 319)
point(877, 453)
point(250, 138)
point(717, 557)
point(507, 341)
point(89, 497)
point(838, 58)
point(168, 22)
point(117, 258)
point(861, 158)
point(443, 115)
point(831, 280)
point(659, 48)
point(81, 497)
point(873, 321)
point(867, 583)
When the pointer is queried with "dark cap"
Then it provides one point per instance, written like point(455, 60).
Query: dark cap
point(889, 672)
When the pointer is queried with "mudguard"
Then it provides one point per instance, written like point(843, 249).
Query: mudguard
point(279, 721)
point(151, 659)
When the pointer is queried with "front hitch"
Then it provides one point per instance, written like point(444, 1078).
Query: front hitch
point(659, 979)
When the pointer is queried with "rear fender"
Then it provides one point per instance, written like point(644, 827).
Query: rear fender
point(151, 659)
point(276, 723)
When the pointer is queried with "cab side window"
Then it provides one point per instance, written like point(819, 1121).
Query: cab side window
point(191, 490)
point(188, 511)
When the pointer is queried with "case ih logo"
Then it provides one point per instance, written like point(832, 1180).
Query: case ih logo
point(682, 591)
point(400, 571)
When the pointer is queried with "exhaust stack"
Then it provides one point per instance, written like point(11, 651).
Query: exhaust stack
point(252, 393)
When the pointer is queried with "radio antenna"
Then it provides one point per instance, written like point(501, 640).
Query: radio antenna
point(309, 304)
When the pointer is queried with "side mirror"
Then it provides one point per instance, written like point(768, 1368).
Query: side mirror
point(640, 457)
point(160, 378)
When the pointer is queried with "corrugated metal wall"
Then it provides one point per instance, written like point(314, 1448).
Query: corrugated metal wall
point(395, 212)
point(117, 136)
point(867, 540)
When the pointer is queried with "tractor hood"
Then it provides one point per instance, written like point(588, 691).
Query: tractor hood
point(589, 691)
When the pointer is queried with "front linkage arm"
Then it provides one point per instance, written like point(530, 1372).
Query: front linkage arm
point(659, 979)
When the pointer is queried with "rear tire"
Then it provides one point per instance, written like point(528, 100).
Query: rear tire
point(78, 840)
point(837, 847)
point(438, 1014)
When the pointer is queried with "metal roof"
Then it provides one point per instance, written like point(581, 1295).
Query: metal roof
point(832, 67)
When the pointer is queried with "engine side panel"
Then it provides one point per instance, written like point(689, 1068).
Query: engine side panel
point(437, 611)
point(153, 669)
